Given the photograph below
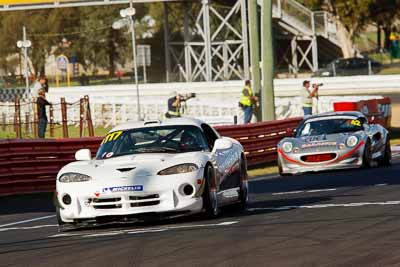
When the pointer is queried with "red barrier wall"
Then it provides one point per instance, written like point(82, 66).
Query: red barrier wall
point(31, 166)
point(377, 110)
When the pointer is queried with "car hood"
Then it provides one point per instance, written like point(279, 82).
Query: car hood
point(321, 140)
point(138, 165)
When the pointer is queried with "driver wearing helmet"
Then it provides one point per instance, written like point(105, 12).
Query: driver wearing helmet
point(188, 139)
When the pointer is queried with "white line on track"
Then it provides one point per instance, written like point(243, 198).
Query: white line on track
point(380, 184)
point(321, 190)
point(27, 221)
point(143, 231)
point(28, 228)
point(304, 191)
point(288, 193)
point(319, 206)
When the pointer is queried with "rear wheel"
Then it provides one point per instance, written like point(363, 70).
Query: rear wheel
point(386, 160)
point(367, 156)
point(210, 199)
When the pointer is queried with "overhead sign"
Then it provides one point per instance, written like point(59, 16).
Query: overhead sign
point(62, 62)
point(144, 55)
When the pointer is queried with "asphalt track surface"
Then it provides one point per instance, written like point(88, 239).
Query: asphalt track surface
point(346, 218)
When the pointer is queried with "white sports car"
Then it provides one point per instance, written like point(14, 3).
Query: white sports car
point(170, 168)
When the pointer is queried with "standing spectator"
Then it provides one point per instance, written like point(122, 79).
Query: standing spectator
point(39, 84)
point(46, 85)
point(119, 75)
point(307, 96)
point(174, 106)
point(41, 106)
point(246, 102)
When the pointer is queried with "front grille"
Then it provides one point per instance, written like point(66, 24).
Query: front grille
point(106, 200)
point(151, 202)
point(124, 201)
point(318, 157)
point(143, 197)
point(106, 207)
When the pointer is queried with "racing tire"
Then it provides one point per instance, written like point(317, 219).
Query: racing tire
point(58, 216)
point(210, 199)
point(386, 160)
point(244, 186)
point(367, 155)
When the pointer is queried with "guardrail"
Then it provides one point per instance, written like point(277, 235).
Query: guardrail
point(30, 166)
point(260, 139)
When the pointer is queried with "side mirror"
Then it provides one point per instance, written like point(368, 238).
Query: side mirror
point(222, 144)
point(83, 154)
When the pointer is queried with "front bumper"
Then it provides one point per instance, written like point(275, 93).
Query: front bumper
point(89, 200)
point(291, 165)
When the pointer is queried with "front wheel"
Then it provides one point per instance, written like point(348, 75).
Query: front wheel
point(244, 185)
point(280, 169)
point(59, 220)
point(387, 156)
point(210, 199)
point(367, 156)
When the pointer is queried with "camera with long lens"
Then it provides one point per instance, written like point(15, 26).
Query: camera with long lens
point(186, 97)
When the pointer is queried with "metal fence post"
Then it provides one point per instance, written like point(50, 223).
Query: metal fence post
point(27, 122)
point(35, 119)
point(17, 117)
point(64, 117)
point(369, 67)
point(51, 121)
point(3, 121)
point(89, 117)
point(81, 116)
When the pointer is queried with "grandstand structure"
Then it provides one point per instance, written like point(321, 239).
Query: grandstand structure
point(210, 40)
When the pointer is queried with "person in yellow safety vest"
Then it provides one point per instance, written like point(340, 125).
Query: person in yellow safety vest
point(174, 106)
point(246, 102)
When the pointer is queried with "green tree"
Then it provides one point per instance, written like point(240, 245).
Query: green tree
point(385, 13)
point(351, 18)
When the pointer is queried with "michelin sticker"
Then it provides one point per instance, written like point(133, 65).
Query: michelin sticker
point(128, 188)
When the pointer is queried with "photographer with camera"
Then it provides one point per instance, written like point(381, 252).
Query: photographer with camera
point(176, 103)
point(307, 94)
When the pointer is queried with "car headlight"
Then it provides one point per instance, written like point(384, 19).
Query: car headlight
point(287, 147)
point(72, 177)
point(178, 169)
point(352, 141)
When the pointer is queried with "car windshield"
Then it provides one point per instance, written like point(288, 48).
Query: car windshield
point(329, 126)
point(163, 139)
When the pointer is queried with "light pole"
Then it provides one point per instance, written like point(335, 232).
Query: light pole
point(129, 13)
point(24, 45)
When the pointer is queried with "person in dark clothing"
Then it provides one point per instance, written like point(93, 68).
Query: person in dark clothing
point(41, 109)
